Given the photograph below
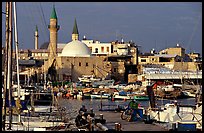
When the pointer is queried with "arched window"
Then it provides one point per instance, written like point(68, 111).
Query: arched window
point(96, 50)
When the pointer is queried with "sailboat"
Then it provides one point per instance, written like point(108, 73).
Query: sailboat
point(7, 97)
point(175, 116)
point(14, 97)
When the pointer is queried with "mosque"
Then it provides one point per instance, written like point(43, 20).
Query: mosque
point(116, 60)
point(76, 59)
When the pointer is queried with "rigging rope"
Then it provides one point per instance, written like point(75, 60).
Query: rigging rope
point(194, 31)
point(44, 20)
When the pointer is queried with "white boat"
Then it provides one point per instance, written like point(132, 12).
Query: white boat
point(88, 78)
point(188, 94)
point(172, 113)
point(103, 83)
point(121, 96)
point(100, 95)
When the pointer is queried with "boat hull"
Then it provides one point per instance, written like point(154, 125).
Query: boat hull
point(99, 96)
point(141, 98)
point(119, 97)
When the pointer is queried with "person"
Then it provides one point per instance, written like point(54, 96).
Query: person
point(83, 108)
point(134, 106)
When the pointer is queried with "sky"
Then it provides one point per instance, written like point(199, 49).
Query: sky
point(157, 25)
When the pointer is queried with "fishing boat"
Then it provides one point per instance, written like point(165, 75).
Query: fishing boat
point(122, 95)
point(141, 97)
point(187, 94)
point(138, 95)
point(100, 95)
point(103, 83)
point(88, 78)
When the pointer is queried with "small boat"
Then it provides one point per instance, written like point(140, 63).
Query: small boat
point(186, 94)
point(100, 95)
point(141, 97)
point(138, 95)
point(121, 96)
point(103, 83)
point(88, 78)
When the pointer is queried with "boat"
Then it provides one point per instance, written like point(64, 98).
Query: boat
point(88, 78)
point(141, 97)
point(175, 113)
point(100, 95)
point(138, 95)
point(103, 83)
point(122, 95)
point(12, 99)
point(87, 95)
point(187, 94)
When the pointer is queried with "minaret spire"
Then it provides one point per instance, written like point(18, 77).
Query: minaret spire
point(75, 33)
point(53, 14)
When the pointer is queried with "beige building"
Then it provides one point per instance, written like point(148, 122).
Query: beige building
point(178, 50)
point(174, 58)
point(76, 59)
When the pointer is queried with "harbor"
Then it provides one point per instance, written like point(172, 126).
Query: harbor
point(107, 116)
point(88, 85)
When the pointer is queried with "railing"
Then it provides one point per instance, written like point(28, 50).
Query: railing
point(56, 26)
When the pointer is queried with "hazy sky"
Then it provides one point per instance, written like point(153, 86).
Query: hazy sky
point(149, 24)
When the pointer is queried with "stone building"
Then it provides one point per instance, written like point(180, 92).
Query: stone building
point(75, 58)
point(174, 58)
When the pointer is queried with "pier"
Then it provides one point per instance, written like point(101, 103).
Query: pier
point(112, 118)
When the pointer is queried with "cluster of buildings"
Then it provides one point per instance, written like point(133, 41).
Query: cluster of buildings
point(117, 60)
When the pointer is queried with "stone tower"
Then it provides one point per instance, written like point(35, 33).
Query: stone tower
point(75, 33)
point(51, 64)
point(36, 37)
point(53, 27)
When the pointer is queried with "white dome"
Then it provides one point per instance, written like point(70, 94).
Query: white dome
point(76, 49)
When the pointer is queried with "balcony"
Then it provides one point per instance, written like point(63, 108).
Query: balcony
point(56, 26)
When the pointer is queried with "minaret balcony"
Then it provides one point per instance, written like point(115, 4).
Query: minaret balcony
point(54, 26)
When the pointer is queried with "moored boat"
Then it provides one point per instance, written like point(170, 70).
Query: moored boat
point(141, 97)
point(120, 96)
point(88, 78)
point(98, 96)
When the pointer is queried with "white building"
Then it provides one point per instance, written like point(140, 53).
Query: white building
point(98, 48)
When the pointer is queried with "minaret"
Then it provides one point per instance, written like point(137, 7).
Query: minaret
point(36, 37)
point(75, 33)
point(53, 27)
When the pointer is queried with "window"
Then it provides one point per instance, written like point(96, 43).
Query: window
point(107, 49)
point(87, 64)
point(79, 63)
point(102, 49)
point(96, 50)
point(115, 70)
point(143, 60)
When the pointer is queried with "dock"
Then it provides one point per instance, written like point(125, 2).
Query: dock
point(112, 118)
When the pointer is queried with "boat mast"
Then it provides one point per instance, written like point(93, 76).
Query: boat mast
point(17, 63)
point(5, 64)
point(9, 77)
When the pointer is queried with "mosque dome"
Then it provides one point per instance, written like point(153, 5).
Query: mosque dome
point(76, 48)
